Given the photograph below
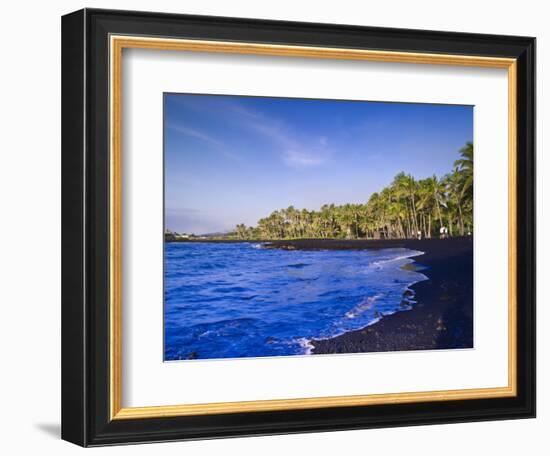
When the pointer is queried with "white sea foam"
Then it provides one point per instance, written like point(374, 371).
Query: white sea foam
point(306, 345)
point(364, 305)
point(344, 331)
point(410, 254)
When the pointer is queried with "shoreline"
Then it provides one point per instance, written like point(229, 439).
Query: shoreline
point(440, 318)
point(423, 245)
point(330, 244)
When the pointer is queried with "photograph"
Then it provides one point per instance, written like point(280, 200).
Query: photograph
point(306, 227)
point(271, 224)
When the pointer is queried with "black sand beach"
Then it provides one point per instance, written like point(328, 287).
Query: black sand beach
point(442, 317)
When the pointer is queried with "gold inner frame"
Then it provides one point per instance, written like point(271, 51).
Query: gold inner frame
point(117, 44)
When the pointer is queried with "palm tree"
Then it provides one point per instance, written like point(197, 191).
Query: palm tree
point(432, 195)
point(399, 210)
point(465, 166)
point(453, 182)
point(426, 205)
point(242, 231)
point(406, 187)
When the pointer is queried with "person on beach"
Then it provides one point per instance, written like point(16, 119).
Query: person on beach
point(442, 232)
point(419, 235)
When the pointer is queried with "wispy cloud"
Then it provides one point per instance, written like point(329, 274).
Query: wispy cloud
point(295, 152)
point(302, 159)
point(195, 134)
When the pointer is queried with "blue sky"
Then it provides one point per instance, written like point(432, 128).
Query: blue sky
point(234, 159)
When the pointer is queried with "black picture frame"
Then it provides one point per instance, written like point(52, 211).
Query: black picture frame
point(85, 225)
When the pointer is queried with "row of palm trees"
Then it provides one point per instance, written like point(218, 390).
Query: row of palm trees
point(404, 209)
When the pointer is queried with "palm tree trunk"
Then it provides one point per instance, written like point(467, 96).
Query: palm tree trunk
point(438, 211)
point(401, 232)
point(461, 220)
point(414, 213)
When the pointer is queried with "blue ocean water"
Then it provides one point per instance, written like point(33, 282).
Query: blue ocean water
point(234, 300)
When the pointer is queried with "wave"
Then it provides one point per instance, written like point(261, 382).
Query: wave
point(297, 265)
point(367, 304)
point(258, 303)
point(364, 305)
point(309, 342)
point(230, 289)
point(411, 254)
point(306, 345)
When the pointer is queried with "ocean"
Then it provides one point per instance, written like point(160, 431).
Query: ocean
point(237, 300)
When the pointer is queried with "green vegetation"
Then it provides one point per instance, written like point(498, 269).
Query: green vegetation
point(400, 210)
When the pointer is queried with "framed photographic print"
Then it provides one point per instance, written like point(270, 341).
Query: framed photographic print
point(279, 227)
